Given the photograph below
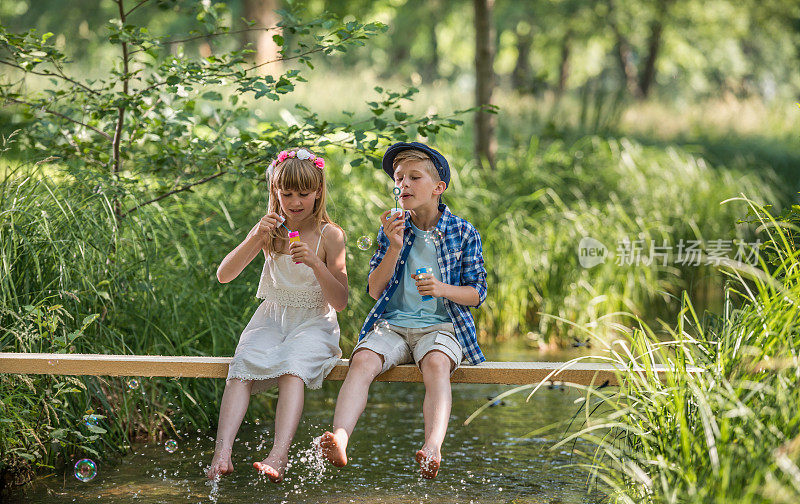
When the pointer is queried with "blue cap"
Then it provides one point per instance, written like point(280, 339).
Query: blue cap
point(436, 157)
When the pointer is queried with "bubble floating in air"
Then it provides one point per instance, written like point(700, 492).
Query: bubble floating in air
point(364, 243)
point(171, 445)
point(85, 470)
point(133, 384)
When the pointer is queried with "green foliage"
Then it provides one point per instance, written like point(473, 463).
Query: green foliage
point(158, 123)
point(726, 434)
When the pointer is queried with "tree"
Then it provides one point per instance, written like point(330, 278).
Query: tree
point(262, 14)
point(485, 141)
point(139, 133)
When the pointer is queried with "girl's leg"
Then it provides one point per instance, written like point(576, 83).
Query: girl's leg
point(287, 416)
point(365, 365)
point(435, 367)
point(231, 412)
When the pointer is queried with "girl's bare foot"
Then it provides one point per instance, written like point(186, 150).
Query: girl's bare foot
point(220, 464)
point(273, 466)
point(429, 459)
point(334, 448)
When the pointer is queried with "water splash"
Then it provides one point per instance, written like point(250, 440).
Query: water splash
point(213, 494)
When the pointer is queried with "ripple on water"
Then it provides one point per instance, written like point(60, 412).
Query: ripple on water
point(493, 460)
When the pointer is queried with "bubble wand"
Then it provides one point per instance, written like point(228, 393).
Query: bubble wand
point(293, 235)
point(396, 210)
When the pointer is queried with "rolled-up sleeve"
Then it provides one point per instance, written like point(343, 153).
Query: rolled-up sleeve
point(377, 257)
point(473, 272)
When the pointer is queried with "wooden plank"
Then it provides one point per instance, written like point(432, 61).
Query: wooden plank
point(508, 373)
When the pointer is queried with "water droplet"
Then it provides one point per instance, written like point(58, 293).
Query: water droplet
point(364, 243)
point(85, 470)
point(133, 384)
point(171, 445)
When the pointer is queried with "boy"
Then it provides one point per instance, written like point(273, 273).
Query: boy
point(422, 318)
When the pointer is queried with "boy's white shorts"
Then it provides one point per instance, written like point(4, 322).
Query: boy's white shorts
point(404, 345)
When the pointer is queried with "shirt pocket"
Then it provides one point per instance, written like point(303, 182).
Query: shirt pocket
point(454, 268)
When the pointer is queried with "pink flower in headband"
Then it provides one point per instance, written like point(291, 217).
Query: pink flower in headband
point(300, 154)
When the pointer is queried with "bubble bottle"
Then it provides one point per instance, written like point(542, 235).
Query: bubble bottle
point(429, 270)
point(294, 236)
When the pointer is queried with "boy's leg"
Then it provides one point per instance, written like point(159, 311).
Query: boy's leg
point(291, 390)
point(231, 412)
point(365, 365)
point(436, 367)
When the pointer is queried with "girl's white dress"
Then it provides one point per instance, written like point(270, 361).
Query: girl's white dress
point(294, 330)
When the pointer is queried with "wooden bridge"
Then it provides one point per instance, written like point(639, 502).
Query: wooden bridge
point(508, 373)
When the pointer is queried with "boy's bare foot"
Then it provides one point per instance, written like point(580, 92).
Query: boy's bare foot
point(429, 460)
point(220, 465)
point(272, 467)
point(334, 448)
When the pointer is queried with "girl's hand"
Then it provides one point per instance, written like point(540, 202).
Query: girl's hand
point(302, 253)
point(429, 285)
point(268, 224)
point(393, 226)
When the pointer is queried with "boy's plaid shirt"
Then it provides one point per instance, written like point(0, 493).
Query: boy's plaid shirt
point(460, 257)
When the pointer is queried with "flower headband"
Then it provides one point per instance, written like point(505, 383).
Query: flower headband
point(299, 154)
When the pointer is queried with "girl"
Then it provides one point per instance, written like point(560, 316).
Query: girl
point(293, 337)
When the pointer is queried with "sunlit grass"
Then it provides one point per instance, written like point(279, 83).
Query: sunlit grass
point(729, 434)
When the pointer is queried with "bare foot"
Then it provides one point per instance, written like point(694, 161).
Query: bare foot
point(220, 464)
point(429, 460)
point(334, 448)
point(272, 467)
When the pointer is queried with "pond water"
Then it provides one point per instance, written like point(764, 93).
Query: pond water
point(494, 459)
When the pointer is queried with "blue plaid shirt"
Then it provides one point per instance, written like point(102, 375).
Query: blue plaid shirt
point(460, 256)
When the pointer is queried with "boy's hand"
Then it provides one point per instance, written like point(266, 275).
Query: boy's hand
point(393, 226)
point(268, 224)
point(302, 253)
point(429, 285)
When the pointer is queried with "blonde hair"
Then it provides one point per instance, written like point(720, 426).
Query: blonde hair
point(416, 155)
point(300, 175)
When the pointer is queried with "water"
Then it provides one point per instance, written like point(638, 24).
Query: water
point(495, 459)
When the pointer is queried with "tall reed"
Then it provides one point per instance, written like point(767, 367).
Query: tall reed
point(728, 434)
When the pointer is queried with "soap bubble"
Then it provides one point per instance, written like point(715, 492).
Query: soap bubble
point(91, 420)
point(133, 384)
point(364, 242)
point(438, 236)
point(85, 470)
point(396, 191)
point(381, 326)
point(171, 445)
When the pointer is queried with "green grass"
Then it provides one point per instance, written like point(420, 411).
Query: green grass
point(728, 435)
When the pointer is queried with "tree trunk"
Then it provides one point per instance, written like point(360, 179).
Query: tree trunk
point(563, 71)
point(624, 55)
point(485, 142)
point(264, 15)
point(628, 69)
point(433, 21)
point(653, 48)
point(521, 76)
